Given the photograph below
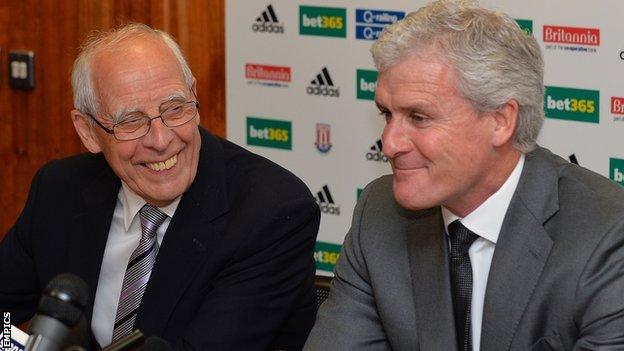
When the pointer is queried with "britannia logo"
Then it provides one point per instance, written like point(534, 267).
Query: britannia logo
point(323, 142)
point(277, 76)
point(323, 85)
point(571, 38)
point(375, 153)
point(617, 108)
point(326, 202)
point(267, 22)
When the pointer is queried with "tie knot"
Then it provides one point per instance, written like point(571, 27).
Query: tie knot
point(461, 238)
point(151, 219)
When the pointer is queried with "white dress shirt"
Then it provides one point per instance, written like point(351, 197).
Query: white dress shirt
point(123, 238)
point(485, 221)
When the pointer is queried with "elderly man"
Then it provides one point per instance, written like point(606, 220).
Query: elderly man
point(480, 240)
point(178, 233)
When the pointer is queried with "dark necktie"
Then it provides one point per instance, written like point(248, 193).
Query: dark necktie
point(461, 281)
point(138, 271)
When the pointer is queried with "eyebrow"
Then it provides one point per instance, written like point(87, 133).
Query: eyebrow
point(175, 96)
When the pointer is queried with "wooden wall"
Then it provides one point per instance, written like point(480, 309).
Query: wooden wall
point(35, 125)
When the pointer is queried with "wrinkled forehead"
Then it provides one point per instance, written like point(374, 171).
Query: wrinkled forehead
point(139, 69)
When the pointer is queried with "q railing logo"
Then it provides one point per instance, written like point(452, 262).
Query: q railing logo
point(323, 85)
point(274, 76)
point(269, 133)
point(323, 140)
point(575, 39)
point(267, 22)
point(323, 21)
point(617, 108)
point(365, 84)
point(326, 255)
point(375, 153)
point(369, 23)
point(326, 202)
point(616, 170)
point(572, 104)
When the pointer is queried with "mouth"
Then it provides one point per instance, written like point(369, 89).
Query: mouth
point(162, 165)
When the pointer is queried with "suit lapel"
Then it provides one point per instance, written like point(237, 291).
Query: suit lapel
point(428, 253)
point(89, 230)
point(521, 252)
point(188, 241)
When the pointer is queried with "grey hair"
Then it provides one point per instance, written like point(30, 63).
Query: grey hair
point(494, 60)
point(85, 99)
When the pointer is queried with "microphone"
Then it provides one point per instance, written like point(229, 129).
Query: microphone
point(59, 321)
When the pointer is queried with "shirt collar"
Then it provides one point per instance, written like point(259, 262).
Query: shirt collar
point(487, 219)
point(132, 204)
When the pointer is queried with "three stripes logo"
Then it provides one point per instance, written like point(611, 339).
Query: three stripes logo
point(267, 22)
point(375, 153)
point(326, 202)
point(323, 85)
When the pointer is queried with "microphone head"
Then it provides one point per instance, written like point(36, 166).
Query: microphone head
point(65, 298)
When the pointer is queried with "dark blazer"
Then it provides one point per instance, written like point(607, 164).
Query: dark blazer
point(235, 270)
point(556, 280)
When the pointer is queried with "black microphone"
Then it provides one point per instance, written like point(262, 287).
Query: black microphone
point(59, 321)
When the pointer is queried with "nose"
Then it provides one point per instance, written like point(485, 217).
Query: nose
point(159, 136)
point(394, 139)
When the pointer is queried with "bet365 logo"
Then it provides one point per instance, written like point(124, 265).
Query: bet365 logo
point(326, 255)
point(572, 104)
point(323, 21)
point(616, 170)
point(366, 83)
point(269, 133)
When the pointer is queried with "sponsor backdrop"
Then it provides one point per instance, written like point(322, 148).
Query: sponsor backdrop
point(301, 84)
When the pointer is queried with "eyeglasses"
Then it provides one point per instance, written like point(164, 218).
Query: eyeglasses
point(136, 125)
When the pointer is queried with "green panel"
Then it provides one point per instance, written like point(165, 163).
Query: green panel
point(323, 21)
point(366, 82)
point(269, 133)
point(616, 170)
point(525, 25)
point(326, 255)
point(572, 104)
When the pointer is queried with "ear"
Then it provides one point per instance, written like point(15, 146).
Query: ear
point(506, 120)
point(194, 89)
point(194, 86)
point(85, 131)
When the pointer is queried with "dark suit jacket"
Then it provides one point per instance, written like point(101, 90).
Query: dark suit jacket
point(556, 280)
point(235, 270)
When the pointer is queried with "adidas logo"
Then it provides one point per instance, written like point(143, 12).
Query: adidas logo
point(323, 85)
point(375, 154)
point(326, 202)
point(267, 22)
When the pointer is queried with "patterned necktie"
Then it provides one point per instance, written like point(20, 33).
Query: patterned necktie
point(461, 281)
point(138, 271)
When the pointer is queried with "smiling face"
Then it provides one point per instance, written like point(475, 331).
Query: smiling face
point(142, 74)
point(442, 151)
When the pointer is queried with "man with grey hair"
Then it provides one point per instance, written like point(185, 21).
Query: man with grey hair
point(177, 233)
point(480, 240)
